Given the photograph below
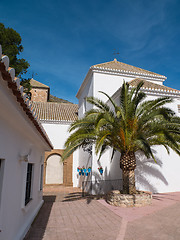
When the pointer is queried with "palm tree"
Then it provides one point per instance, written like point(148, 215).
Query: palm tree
point(133, 125)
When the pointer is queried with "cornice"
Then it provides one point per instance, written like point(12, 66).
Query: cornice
point(160, 92)
point(56, 122)
point(128, 73)
point(152, 91)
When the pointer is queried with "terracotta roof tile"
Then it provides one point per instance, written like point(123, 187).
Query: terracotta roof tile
point(151, 85)
point(116, 65)
point(37, 84)
point(51, 111)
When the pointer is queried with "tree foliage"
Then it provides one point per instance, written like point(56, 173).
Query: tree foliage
point(132, 125)
point(10, 41)
point(12, 47)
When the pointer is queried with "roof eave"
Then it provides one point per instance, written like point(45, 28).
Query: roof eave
point(119, 72)
point(174, 93)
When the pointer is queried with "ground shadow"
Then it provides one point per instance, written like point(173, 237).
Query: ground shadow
point(39, 224)
point(73, 196)
point(168, 196)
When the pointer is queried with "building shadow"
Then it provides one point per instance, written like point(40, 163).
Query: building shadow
point(39, 224)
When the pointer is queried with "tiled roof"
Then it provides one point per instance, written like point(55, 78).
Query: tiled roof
point(51, 111)
point(37, 84)
point(123, 67)
point(13, 83)
point(153, 86)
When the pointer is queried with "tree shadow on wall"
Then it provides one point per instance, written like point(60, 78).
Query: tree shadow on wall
point(112, 180)
point(148, 168)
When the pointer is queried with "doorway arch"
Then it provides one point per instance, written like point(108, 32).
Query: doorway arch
point(67, 166)
point(54, 169)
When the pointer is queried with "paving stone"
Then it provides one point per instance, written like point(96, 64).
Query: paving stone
point(65, 215)
point(61, 218)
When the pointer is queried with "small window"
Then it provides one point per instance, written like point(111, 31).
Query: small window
point(28, 183)
point(41, 177)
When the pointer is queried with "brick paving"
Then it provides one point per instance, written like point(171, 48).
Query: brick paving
point(161, 225)
point(66, 215)
point(158, 221)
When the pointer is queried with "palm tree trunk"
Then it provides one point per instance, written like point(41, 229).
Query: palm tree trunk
point(129, 182)
point(128, 164)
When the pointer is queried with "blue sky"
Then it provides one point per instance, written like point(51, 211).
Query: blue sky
point(62, 39)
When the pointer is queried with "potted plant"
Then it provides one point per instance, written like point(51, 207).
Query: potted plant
point(100, 170)
point(82, 169)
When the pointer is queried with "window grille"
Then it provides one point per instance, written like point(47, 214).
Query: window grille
point(28, 183)
point(41, 177)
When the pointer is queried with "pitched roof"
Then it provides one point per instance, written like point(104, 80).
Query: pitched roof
point(13, 83)
point(51, 111)
point(123, 67)
point(37, 84)
point(151, 86)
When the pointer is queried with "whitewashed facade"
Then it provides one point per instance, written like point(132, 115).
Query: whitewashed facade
point(23, 142)
point(56, 119)
point(109, 77)
point(58, 133)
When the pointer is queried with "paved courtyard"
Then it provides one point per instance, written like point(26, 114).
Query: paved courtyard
point(65, 215)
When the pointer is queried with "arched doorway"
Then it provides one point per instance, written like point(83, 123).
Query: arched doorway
point(54, 170)
point(67, 167)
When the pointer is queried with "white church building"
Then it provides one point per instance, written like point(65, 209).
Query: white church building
point(108, 77)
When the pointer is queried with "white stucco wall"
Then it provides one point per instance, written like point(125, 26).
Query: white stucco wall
point(107, 83)
point(87, 92)
point(58, 134)
point(75, 165)
point(18, 137)
point(163, 176)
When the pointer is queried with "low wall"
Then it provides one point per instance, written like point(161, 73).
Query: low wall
point(116, 198)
